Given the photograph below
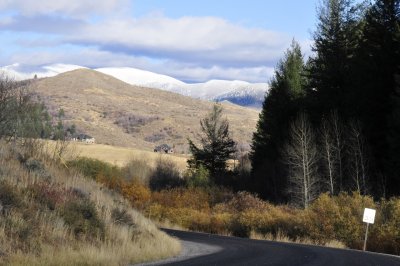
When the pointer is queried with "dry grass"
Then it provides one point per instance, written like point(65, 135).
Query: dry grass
point(121, 156)
point(281, 237)
point(44, 238)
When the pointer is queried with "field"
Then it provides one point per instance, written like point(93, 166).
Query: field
point(121, 156)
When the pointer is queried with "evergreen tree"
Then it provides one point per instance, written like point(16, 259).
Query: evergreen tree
point(377, 64)
point(217, 145)
point(269, 176)
point(335, 41)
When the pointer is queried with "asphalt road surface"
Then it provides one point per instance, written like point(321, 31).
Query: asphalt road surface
point(238, 251)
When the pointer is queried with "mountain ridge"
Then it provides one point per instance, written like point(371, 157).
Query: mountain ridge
point(209, 90)
point(212, 90)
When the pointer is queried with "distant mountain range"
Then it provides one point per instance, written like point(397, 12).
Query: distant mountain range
point(237, 92)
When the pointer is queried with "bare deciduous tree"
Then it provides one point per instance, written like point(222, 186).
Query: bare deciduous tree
point(332, 151)
point(358, 157)
point(328, 155)
point(301, 157)
point(336, 127)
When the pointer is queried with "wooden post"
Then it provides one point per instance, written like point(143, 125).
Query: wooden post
point(366, 236)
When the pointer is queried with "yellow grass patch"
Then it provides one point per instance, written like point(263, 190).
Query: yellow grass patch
point(119, 156)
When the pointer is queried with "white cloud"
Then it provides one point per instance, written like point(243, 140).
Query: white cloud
point(200, 74)
point(33, 64)
point(188, 48)
point(67, 7)
point(204, 40)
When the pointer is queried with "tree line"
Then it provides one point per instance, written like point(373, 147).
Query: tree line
point(21, 116)
point(333, 123)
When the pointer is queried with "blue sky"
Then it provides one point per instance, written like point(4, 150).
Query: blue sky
point(291, 16)
point(189, 40)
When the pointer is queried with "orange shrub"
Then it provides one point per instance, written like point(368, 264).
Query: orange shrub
point(112, 182)
point(385, 233)
point(138, 194)
point(193, 198)
point(219, 223)
point(338, 218)
point(244, 201)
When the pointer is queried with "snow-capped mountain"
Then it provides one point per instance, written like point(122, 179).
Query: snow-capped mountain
point(21, 72)
point(244, 96)
point(237, 92)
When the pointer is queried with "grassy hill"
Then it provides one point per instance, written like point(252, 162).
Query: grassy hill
point(52, 215)
point(120, 114)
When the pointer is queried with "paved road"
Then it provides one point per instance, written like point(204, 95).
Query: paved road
point(238, 251)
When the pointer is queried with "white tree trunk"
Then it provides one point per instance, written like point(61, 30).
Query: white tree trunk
point(301, 156)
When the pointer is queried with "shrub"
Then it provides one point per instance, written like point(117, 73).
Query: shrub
point(338, 218)
point(17, 219)
point(165, 176)
point(93, 167)
point(21, 231)
point(110, 181)
point(122, 217)
point(219, 223)
point(244, 201)
point(136, 193)
point(34, 165)
point(385, 233)
point(199, 177)
point(194, 198)
point(138, 170)
point(82, 218)
point(48, 195)
point(9, 197)
point(239, 229)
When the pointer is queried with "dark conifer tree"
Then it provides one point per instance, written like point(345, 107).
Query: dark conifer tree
point(335, 40)
point(375, 87)
point(269, 177)
point(217, 145)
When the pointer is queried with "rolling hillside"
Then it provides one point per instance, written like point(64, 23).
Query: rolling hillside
point(120, 114)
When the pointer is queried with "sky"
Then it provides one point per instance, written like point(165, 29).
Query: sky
point(193, 41)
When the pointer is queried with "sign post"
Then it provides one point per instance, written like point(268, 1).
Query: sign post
point(369, 218)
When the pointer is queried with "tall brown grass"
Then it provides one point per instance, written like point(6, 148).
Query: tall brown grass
point(52, 215)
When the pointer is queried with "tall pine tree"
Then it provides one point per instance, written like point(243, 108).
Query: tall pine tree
point(269, 177)
point(376, 90)
point(335, 40)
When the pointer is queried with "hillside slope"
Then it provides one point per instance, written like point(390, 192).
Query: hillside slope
point(52, 215)
point(120, 114)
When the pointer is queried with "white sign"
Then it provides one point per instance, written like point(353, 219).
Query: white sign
point(369, 216)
